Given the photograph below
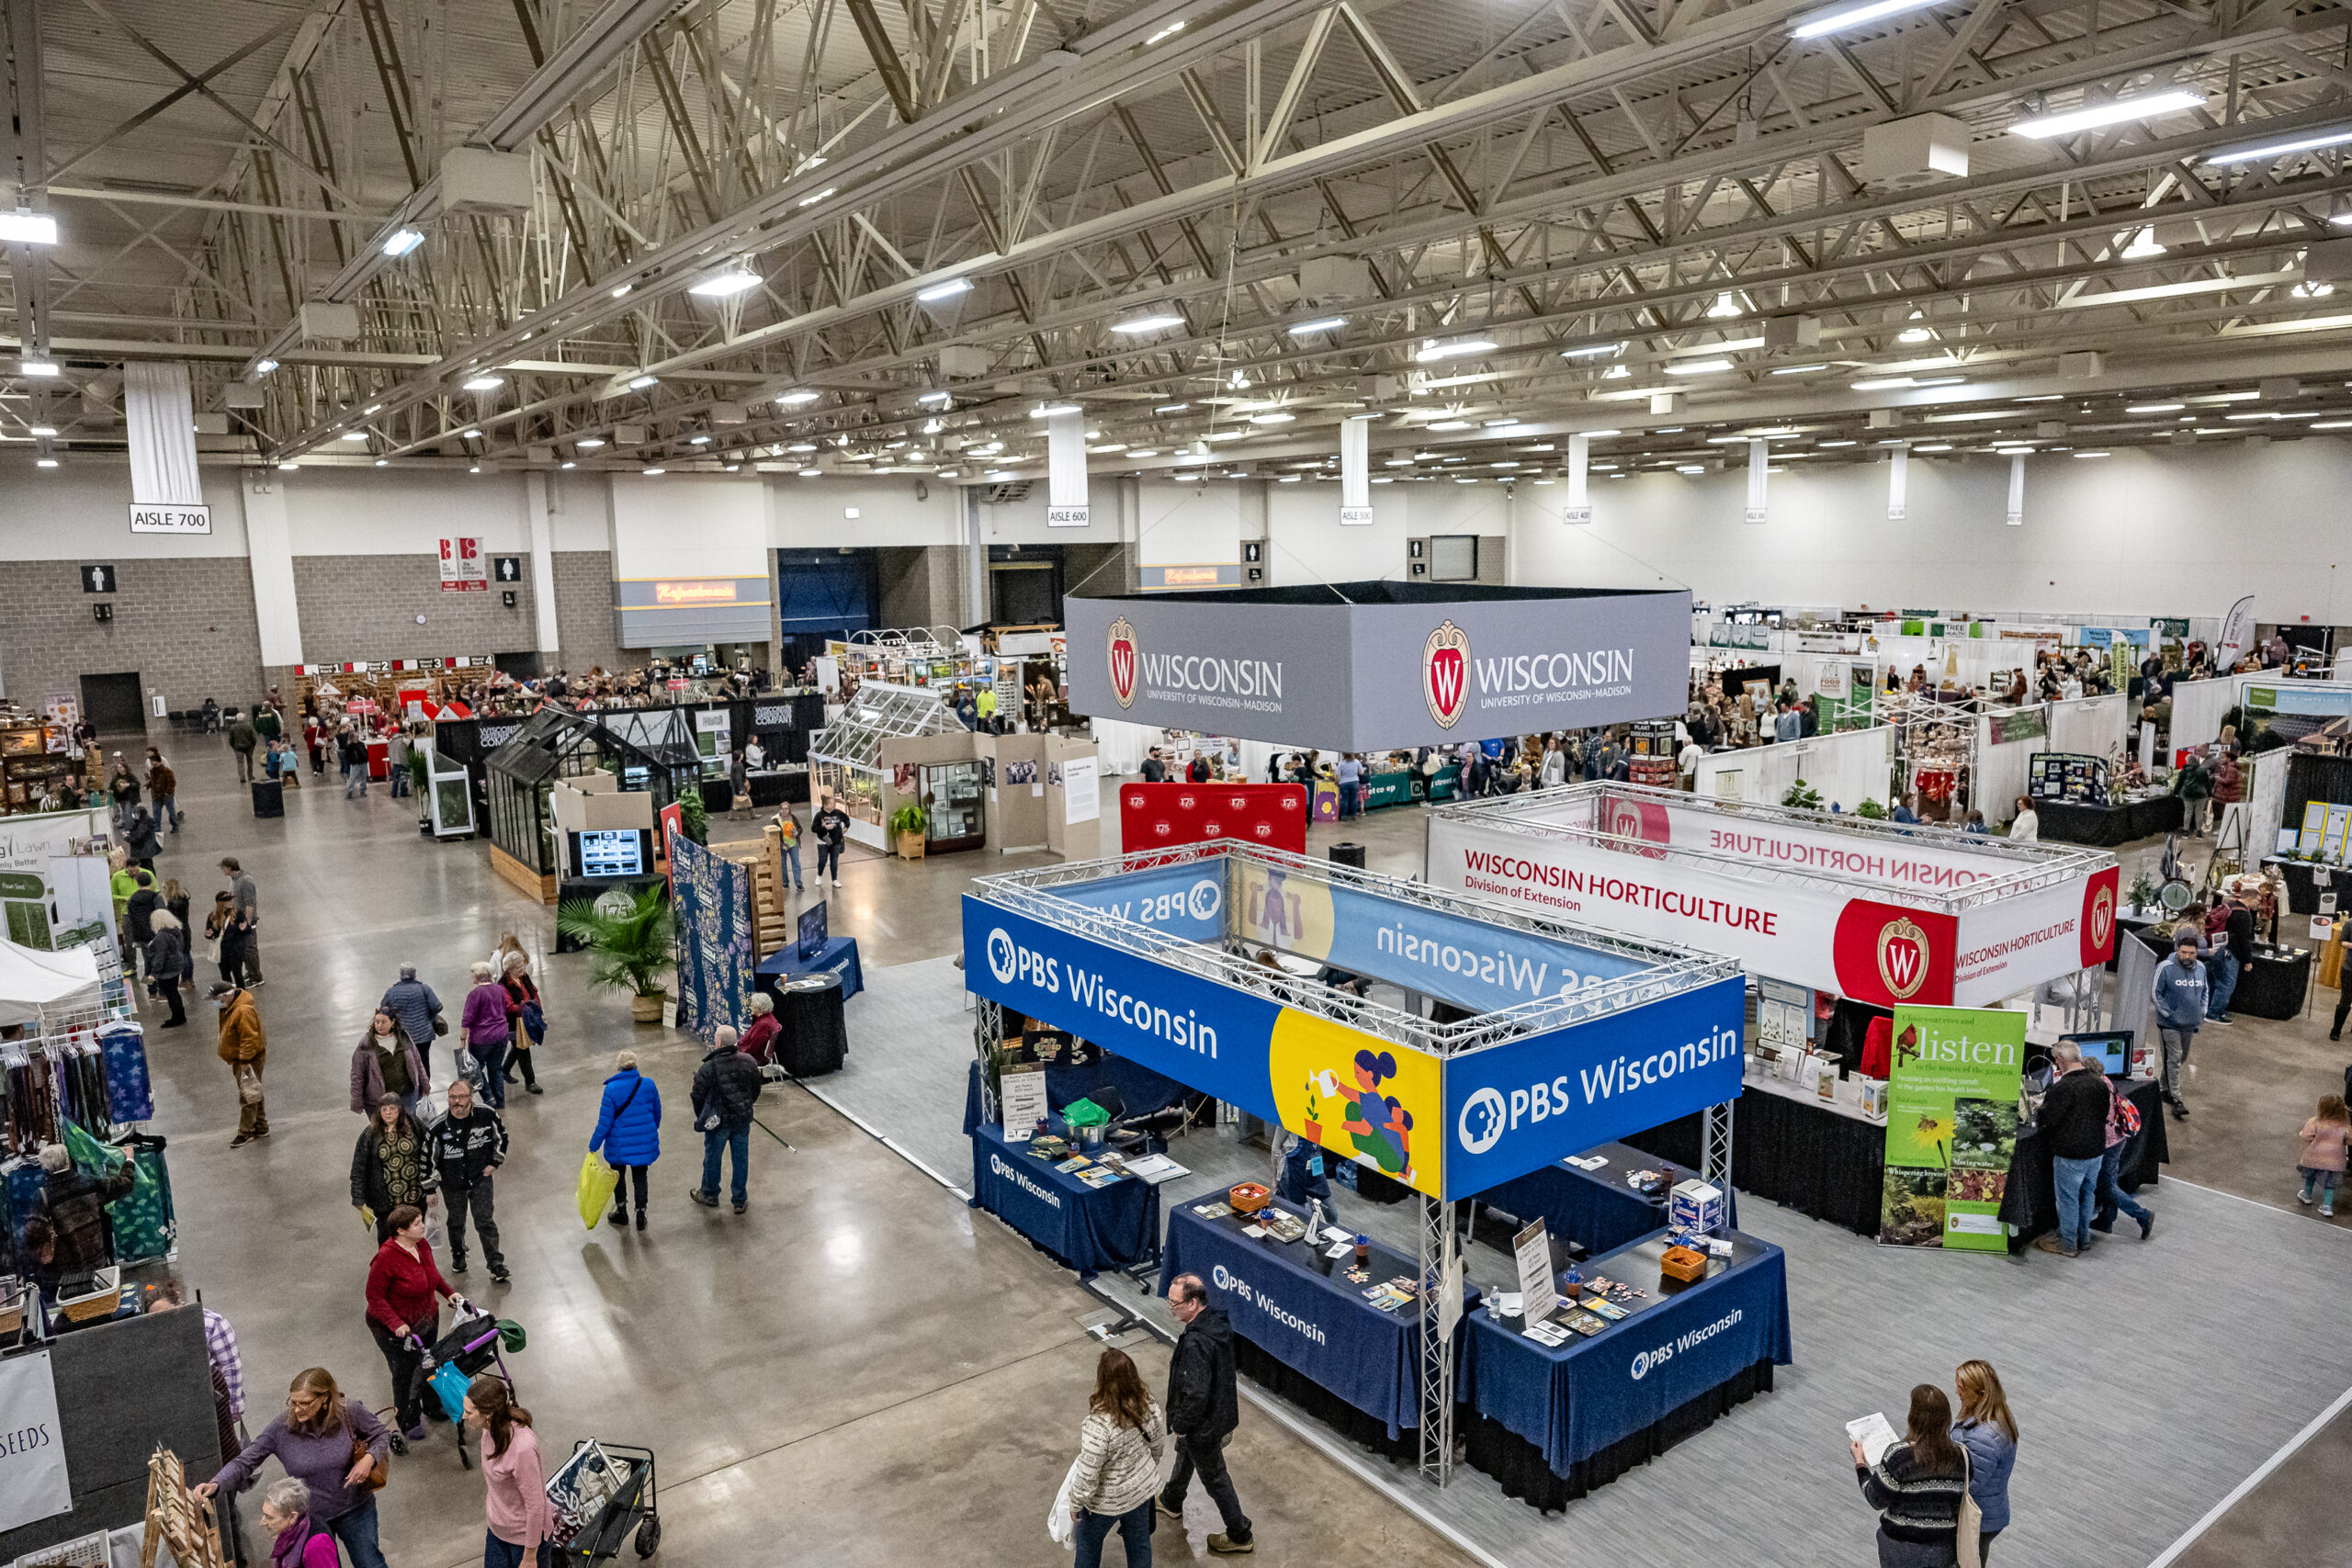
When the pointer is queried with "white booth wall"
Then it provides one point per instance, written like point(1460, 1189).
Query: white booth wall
point(1847, 768)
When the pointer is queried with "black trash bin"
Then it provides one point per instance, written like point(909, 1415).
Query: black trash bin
point(813, 1040)
point(1347, 853)
point(269, 798)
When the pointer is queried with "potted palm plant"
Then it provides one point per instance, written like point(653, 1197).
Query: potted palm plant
point(908, 825)
point(629, 947)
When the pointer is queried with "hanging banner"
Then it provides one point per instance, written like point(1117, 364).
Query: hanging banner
point(1951, 1127)
point(1355, 481)
point(2016, 518)
point(1898, 479)
point(463, 570)
point(1065, 469)
point(33, 1482)
point(1757, 468)
point(711, 899)
point(1578, 509)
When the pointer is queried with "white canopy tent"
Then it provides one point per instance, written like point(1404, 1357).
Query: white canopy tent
point(33, 983)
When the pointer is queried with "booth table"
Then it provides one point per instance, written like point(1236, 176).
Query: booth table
point(2275, 984)
point(2104, 827)
point(1829, 1161)
point(1550, 1424)
point(1406, 785)
point(811, 1037)
point(1085, 1228)
point(1594, 1209)
point(776, 787)
point(1301, 1328)
point(838, 956)
point(1141, 1090)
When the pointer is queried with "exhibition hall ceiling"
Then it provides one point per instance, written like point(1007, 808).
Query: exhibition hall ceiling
point(884, 235)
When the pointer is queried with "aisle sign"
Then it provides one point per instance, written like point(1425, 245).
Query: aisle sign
point(1951, 1127)
point(33, 1482)
point(158, 519)
point(463, 570)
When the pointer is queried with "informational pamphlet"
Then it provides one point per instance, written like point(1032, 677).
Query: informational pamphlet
point(1537, 1293)
point(1021, 1092)
point(1875, 1433)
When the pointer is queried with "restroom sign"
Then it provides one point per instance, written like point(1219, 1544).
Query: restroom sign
point(463, 570)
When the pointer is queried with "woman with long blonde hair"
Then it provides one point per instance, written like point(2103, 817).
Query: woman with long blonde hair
point(1989, 1433)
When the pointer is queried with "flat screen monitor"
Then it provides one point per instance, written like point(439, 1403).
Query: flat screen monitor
point(812, 935)
point(609, 852)
point(2109, 1050)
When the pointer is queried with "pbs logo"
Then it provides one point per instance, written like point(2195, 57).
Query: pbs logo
point(1483, 1120)
point(1206, 899)
point(1641, 1365)
point(1003, 959)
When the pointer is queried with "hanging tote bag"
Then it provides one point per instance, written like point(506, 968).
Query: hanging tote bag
point(597, 1181)
point(1971, 1518)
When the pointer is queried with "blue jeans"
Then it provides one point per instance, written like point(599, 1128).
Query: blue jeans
point(828, 855)
point(1348, 800)
point(2110, 1196)
point(1135, 1530)
point(497, 1553)
point(792, 864)
point(492, 1055)
point(2220, 981)
point(167, 810)
point(356, 1530)
point(2077, 1181)
point(739, 1140)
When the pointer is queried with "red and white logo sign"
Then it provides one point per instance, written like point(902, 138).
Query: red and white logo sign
point(1902, 958)
point(1446, 673)
point(1644, 821)
point(2098, 918)
point(1124, 662)
point(1886, 953)
point(463, 570)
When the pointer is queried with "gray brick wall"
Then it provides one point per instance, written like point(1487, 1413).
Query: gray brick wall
point(583, 612)
point(187, 625)
point(366, 607)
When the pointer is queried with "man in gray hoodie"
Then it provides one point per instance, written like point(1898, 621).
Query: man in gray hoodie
point(2180, 993)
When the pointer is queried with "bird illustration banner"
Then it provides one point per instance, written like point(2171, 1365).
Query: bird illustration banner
point(1951, 1127)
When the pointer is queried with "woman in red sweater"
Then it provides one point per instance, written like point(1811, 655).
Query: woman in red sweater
point(404, 1294)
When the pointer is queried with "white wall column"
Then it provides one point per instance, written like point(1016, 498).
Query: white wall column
point(269, 552)
point(542, 498)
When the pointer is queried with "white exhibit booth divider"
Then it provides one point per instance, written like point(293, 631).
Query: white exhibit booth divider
point(1847, 768)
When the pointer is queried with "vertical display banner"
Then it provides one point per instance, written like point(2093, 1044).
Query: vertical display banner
point(33, 1482)
point(1355, 481)
point(1758, 462)
point(1898, 481)
point(1579, 510)
point(2016, 518)
point(1951, 1127)
point(463, 570)
point(711, 900)
point(1065, 469)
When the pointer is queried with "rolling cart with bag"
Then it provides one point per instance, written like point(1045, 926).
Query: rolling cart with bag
point(469, 1348)
point(604, 1491)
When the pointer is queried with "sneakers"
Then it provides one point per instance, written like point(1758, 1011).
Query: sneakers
point(640, 1219)
point(415, 1434)
point(2327, 1211)
point(2179, 1111)
point(1225, 1546)
point(2224, 1020)
point(240, 1140)
point(457, 1263)
point(620, 1218)
point(1159, 1505)
point(2052, 1243)
point(2304, 1197)
point(498, 1272)
point(2147, 1226)
point(741, 1207)
point(707, 1200)
point(837, 882)
point(533, 1088)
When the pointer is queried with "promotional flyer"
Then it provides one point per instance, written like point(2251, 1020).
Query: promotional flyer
point(1951, 1127)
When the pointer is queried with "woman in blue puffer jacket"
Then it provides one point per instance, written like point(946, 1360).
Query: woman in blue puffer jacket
point(1989, 1433)
point(628, 1133)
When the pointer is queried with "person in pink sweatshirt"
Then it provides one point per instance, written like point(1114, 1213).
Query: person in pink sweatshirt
point(516, 1503)
point(2325, 1136)
point(295, 1541)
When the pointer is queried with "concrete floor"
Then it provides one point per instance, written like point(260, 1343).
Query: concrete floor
point(859, 1373)
point(854, 1373)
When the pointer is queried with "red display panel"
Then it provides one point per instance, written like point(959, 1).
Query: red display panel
point(1169, 816)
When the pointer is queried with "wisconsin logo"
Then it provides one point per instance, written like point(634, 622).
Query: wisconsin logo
point(2102, 916)
point(1446, 673)
point(1902, 958)
point(1123, 661)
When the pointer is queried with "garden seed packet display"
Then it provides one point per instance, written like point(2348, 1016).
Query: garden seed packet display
point(1951, 1127)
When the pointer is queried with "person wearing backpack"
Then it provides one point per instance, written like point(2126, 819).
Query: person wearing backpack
point(2122, 1124)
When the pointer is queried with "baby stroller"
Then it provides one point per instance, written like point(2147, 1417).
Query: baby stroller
point(470, 1347)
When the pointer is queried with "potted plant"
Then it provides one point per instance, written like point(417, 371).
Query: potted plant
point(907, 827)
point(2143, 892)
point(1870, 811)
point(628, 945)
point(694, 816)
point(1803, 796)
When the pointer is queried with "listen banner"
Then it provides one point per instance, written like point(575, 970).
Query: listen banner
point(1951, 1127)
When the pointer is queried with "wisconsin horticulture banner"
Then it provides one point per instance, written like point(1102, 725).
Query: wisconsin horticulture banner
point(712, 900)
point(1951, 1127)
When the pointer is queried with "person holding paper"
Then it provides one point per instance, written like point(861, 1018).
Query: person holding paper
point(1917, 1485)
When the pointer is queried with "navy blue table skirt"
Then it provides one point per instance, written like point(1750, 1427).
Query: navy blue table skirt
point(839, 956)
point(1594, 1209)
point(1142, 1089)
point(1085, 1228)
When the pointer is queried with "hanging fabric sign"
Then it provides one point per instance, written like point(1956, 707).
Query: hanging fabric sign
point(2016, 490)
point(1898, 479)
point(1355, 484)
point(1065, 469)
point(1757, 451)
point(33, 1482)
point(1580, 507)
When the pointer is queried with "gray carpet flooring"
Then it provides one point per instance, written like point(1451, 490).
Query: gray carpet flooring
point(2149, 1379)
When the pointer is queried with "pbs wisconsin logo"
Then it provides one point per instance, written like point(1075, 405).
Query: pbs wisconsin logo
point(1644, 1361)
point(1206, 899)
point(1483, 1120)
point(1003, 959)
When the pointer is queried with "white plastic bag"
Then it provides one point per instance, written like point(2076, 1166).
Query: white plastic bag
point(1061, 1521)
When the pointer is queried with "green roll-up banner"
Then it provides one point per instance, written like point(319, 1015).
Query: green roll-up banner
point(1952, 1126)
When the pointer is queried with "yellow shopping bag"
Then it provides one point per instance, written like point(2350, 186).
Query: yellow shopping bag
point(597, 1180)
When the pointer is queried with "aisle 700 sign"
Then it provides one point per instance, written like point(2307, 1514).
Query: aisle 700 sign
point(170, 519)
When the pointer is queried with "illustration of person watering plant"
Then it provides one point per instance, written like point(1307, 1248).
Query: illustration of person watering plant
point(1379, 1127)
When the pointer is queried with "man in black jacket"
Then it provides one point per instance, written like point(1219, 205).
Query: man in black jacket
point(1155, 768)
point(727, 1086)
point(1204, 1407)
point(141, 909)
point(463, 1148)
point(2073, 1121)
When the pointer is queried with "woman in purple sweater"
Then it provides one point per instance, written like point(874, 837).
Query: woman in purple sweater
point(487, 1032)
point(314, 1440)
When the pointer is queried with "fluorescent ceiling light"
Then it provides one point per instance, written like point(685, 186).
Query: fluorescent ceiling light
point(810, 473)
point(2090, 116)
point(475, 470)
point(2254, 151)
point(1433, 350)
point(1798, 369)
point(2334, 424)
point(639, 383)
point(1272, 418)
point(1449, 424)
point(51, 462)
point(698, 441)
point(1690, 467)
point(801, 446)
point(726, 284)
point(387, 462)
point(28, 229)
point(795, 399)
point(2091, 454)
point(1914, 334)
point(1170, 30)
point(1698, 368)
point(651, 473)
point(1144, 452)
point(1048, 411)
point(1397, 463)
point(400, 241)
point(623, 288)
point(1843, 16)
point(1158, 323)
point(485, 383)
point(1725, 306)
point(347, 435)
point(1592, 350)
point(567, 463)
point(1171, 408)
point(261, 367)
point(2154, 408)
point(947, 290)
point(1934, 447)
point(813, 200)
point(1895, 383)
point(288, 467)
point(1839, 444)
point(43, 429)
point(928, 400)
point(1320, 324)
point(589, 443)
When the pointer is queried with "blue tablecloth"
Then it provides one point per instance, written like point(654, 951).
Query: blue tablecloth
point(1577, 1399)
point(1594, 1209)
point(839, 954)
point(1087, 1228)
point(1321, 1327)
point(1143, 1089)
